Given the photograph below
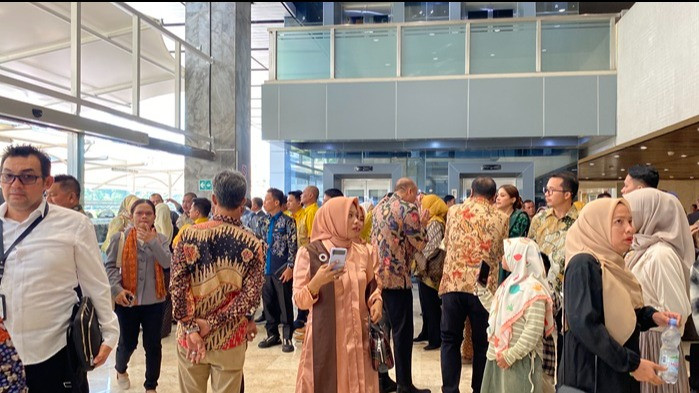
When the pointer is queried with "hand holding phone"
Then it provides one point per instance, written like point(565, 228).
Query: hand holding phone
point(130, 298)
point(338, 258)
point(484, 273)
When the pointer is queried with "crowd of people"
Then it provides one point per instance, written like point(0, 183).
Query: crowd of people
point(575, 296)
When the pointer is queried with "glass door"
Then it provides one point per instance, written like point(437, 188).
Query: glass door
point(366, 189)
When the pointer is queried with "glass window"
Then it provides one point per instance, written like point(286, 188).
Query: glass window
point(503, 48)
point(426, 11)
point(433, 50)
point(303, 55)
point(365, 53)
point(365, 13)
point(575, 46)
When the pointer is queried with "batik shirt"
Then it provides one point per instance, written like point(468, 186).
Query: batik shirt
point(475, 232)
point(217, 275)
point(279, 233)
point(397, 235)
point(549, 232)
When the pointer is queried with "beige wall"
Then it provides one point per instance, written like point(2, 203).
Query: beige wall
point(687, 190)
point(657, 68)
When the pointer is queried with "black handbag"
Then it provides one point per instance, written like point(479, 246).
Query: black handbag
point(381, 355)
point(84, 334)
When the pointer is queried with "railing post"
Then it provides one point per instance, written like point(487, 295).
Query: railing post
point(273, 55)
point(538, 45)
point(76, 53)
point(467, 58)
point(332, 53)
point(612, 43)
point(399, 50)
point(178, 85)
point(136, 65)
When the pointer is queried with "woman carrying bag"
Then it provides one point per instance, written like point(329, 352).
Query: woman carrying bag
point(138, 286)
point(603, 305)
point(336, 354)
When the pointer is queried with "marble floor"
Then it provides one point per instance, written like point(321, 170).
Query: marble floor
point(266, 370)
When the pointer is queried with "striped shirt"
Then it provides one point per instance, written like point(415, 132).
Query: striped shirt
point(527, 332)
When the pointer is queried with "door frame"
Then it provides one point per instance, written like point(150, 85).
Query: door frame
point(523, 169)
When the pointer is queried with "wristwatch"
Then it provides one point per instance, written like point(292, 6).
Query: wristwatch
point(192, 329)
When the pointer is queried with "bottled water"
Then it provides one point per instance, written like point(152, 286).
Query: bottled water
point(670, 353)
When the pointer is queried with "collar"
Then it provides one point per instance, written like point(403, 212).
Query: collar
point(78, 208)
point(311, 206)
point(226, 219)
point(33, 215)
point(480, 200)
point(200, 220)
point(572, 213)
point(298, 213)
point(276, 216)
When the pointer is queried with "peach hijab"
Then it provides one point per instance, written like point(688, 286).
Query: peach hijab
point(591, 234)
point(330, 222)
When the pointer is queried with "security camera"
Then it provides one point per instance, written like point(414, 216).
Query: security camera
point(37, 113)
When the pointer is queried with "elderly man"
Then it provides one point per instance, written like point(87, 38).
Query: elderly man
point(398, 233)
point(217, 277)
point(65, 192)
point(183, 209)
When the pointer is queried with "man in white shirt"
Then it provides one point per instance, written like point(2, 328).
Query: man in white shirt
point(42, 271)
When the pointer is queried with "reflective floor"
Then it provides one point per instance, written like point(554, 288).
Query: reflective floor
point(266, 370)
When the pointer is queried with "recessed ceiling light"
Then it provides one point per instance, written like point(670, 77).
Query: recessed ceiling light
point(623, 170)
point(643, 147)
point(616, 156)
point(691, 177)
point(683, 156)
point(648, 163)
point(671, 153)
point(587, 178)
point(666, 169)
point(619, 178)
point(672, 177)
point(592, 164)
point(604, 174)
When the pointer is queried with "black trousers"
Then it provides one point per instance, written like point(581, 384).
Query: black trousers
point(456, 307)
point(694, 366)
point(55, 375)
point(279, 307)
point(399, 305)
point(130, 321)
point(431, 313)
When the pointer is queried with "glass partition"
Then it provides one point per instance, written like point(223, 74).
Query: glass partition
point(500, 48)
point(434, 50)
point(365, 53)
point(575, 46)
point(303, 54)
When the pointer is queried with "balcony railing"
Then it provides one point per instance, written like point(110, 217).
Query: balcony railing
point(436, 49)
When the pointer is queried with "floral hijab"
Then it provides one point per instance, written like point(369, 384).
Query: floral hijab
point(525, 285)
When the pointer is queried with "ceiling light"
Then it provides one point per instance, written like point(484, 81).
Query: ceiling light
point(604, 174)
point(543, 50)
point(492, 55)
point(616, 156)
point(592, 164)
point(691, 177)
point(435, 58)
point(683, 156)
point(672, 177)
point(623, 170)
point(497, 30)
point(671, 153)
point(376, 40)
point(643, 147)
point(562, 10)
point(431, 34)
point(665, 169)
point(587, 178)
point(619, 177)
point(648, 163)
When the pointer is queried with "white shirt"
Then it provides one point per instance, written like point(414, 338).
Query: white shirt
point(40, 274)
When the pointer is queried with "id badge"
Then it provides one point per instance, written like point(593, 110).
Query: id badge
point(3, 308)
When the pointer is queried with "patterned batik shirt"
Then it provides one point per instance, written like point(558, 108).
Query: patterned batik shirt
point(279, 233)
point(549, 232)
point(216, 275)
point(475, 232)
point(397, 235)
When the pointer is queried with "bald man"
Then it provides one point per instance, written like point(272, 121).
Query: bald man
point(398, 233)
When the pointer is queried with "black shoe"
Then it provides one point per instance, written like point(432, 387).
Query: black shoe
point(298, 324)
point(270, 341)
point(412, 389)
point(431, 347)
point(420, 337)
point(287, 346)
point(386, 384)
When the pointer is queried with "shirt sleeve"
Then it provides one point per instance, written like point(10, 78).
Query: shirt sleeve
point(584, 312)
point(180, 289)
point(249, 296)
point(531, 335)
point(413, 229)
point(93, 280)
point(110, 265)
point(302, 276)
point(534, 227)
point(659, 273)
point(160, 247)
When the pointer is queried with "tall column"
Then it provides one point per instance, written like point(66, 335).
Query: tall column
point(217, 99)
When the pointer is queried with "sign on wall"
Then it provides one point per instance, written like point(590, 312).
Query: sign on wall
point(206, 185)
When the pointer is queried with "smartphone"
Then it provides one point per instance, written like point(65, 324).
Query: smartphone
point(484, 273)
point(337, 258)
point(130, 298)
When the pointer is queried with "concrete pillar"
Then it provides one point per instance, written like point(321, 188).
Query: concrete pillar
point(217, 99)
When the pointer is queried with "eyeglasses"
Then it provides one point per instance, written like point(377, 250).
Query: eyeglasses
point(551, 190)
point(9, 178)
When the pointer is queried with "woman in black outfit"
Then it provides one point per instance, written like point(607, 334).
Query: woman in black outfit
point(603, 305)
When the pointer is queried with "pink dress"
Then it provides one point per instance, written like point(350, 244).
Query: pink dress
point(354, 370)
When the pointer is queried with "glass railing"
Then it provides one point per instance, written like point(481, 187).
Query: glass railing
point(503, 46)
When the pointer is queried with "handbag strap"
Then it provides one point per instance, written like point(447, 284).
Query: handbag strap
point(6, 253)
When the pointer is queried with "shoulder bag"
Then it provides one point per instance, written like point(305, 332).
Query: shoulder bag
point(381, 355)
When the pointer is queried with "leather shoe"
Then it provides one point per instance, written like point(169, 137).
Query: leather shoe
point(411, 389)
point(431, 347)
point(420, 337)
point(270, 341)
point(386, 384)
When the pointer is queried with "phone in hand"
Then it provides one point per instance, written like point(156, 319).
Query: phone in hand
point(338, 256)
point(130, 299)
point(484, 273)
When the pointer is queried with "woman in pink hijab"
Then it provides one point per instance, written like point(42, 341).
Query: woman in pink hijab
point(335, 355)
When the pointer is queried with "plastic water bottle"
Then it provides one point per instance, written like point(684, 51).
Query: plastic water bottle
point(670, 353)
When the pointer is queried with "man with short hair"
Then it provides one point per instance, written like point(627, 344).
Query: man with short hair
point(331, 193)
point(309, 199)
point(475, 232)
point(184, 209)
point(450, 200)
point(278, 231)
point(548, 229)
point(257, 213)
point(293, 203)
point(640, 176)
point(199, 212)
point(65, 192)
point(217, 276)
point(247, 214)
point(530, 208)
point(398, 233)
point(156, 199)
point(42, 271)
